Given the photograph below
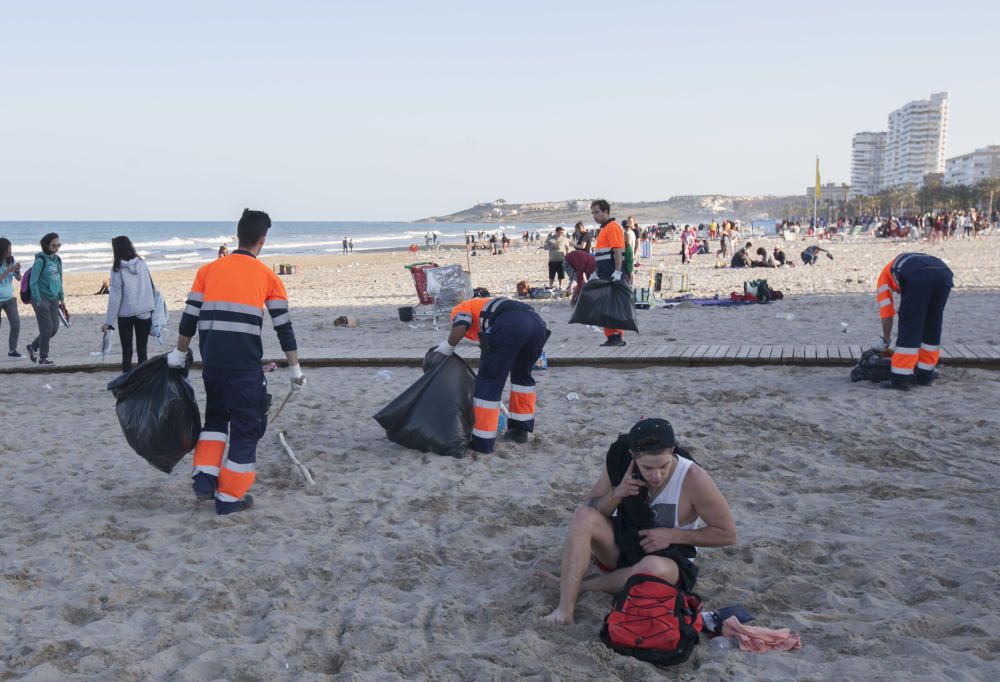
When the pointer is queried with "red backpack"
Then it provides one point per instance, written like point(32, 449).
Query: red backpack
point(653, 621)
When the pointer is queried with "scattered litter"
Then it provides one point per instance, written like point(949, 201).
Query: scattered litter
point(47, 387)
point(383, 375)
point(413, 326)
point(345, 321)
point(785, 316)
point(572, 397)
point(593, 328)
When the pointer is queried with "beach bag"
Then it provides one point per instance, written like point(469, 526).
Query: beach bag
point(643, 297)
point(872, 366)
point(434, 414)
point(158, 412)
point(759, 289)
point(26, 282)
point(653, 621)
point(604, 303)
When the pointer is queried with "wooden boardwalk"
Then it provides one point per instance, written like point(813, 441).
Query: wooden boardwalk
point(638, 353)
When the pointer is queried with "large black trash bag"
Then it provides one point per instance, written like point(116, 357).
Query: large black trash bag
point(872, 366)
point(434, 414)
point(604, 303)
point(158, 412)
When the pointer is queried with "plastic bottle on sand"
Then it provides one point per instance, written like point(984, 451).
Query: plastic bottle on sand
point(723, 644)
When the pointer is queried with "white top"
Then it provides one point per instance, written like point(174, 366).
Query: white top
point(666, 503)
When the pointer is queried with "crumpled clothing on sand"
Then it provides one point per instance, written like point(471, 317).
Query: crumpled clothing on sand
point(758, 639)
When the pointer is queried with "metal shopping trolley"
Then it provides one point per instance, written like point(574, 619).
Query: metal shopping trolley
point(439, 289)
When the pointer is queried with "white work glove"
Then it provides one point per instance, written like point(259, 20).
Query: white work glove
point(176, 359)
point(445, 348)
point(880, 345)
point(296, 378)
point(592, 277)
point(616, 276)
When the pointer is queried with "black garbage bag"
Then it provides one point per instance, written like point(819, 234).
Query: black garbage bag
point(872, 366)
point(434, 414)
point(158, 412)
point(604, 303)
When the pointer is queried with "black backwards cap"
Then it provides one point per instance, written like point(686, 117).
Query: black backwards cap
point(651, 435)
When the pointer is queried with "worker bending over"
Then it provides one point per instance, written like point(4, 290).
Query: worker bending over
point(511, 336)
point(923, 283)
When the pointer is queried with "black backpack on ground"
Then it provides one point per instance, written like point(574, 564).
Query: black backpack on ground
point(872, 366)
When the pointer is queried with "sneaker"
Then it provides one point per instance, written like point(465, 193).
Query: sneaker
point(47, 362)
point(516, 435)
point(897, 384)
point(31, 353)
point(223, 508)
point(615, 340)
point(14, 354)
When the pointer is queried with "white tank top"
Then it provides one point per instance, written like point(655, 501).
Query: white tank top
point(666, 503)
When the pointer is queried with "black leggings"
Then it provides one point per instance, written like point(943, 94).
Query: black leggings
point(125, 327)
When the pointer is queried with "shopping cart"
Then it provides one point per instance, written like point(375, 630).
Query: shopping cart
point(439, 289)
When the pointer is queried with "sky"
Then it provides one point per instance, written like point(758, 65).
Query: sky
point(386, 110)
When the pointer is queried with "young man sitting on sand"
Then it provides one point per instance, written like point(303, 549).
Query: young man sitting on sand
point(642, 517)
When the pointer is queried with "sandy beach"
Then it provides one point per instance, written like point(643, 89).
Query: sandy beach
point(866, 518)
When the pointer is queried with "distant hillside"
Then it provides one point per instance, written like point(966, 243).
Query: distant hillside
point(680, 208)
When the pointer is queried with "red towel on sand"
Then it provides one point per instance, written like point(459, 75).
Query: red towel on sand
point(758, 639)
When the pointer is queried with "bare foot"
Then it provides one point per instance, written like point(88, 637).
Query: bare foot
point(557, 617)
point(551, 577)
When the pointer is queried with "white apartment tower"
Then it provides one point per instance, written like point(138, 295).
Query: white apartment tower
point(915, 143)
point(969, 169)
point(867, 151)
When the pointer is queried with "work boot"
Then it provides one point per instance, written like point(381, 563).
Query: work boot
point(223, 508)
point(615, 340)
point(926, 378)
point(204, 486)
point(901, 384)
point(516, 435)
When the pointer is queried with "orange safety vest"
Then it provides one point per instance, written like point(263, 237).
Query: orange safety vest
point(468, 313)
point(886, 285)
point(610, 237)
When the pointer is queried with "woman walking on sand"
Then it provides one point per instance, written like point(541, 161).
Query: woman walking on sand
point(9, 271)
point(47, 297)
point(130, 301)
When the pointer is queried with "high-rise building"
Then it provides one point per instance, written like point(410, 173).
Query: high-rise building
point(969, 169)
point(915, 143)
point(867, 150)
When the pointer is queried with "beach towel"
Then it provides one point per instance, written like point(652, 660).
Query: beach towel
point(157, 411)
point(604, 303)
point(434, 414)
point(760, 640)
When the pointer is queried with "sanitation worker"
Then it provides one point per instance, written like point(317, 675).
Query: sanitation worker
point(511, 336)
point(226, 309)
point(609, 254)
point(923, 283)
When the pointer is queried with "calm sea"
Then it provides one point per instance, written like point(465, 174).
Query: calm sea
point(168, 245)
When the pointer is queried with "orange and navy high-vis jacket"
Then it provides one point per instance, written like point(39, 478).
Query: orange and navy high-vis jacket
point(226, 307)
point(887, 284)
point(467, 314)
point(610, 237)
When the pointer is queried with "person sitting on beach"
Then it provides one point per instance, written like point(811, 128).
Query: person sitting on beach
point(766, 260)
point(781, 258)
point(223, 251)
point(811, 254)
point(642, 517)
point(741, 259)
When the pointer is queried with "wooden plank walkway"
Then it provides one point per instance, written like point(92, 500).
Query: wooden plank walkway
point(637, 354)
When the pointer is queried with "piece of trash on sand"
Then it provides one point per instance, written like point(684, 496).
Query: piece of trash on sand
point(345, 321)
point(785, 316)
point(572, 397)
point(47, 387)
point(383, 375)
